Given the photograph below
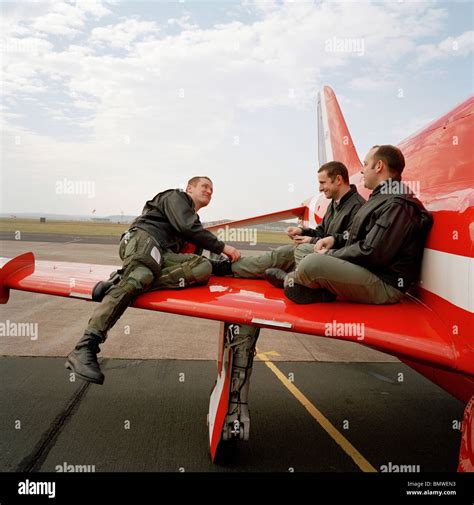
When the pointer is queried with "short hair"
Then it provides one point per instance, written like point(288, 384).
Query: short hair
point(392, 157)
point(194, 180)
point(334, 168)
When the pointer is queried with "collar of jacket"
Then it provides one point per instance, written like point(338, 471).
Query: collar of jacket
point(191, 201)
point(390, 187)
point(346, 197)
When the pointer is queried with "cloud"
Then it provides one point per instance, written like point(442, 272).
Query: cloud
point(49, 17)
point(66, 19)
point(174, 102)
point(370, 83)
point(122, 35)
point(451, 47)
point(183, 22)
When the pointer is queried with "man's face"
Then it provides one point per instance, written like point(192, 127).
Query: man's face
point(369, 174)
point(201, 193)
point(328, 187)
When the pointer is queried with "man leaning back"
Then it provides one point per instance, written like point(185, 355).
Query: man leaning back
point(161, 250)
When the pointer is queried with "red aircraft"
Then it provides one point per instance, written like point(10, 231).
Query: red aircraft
point(430, 330)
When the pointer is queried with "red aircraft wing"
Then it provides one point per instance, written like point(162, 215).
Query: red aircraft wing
point(409, 329)
point(264, 218)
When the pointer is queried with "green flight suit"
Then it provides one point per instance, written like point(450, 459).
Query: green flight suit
point(146, 266)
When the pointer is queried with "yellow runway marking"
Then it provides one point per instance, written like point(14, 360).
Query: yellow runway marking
point(342, 441)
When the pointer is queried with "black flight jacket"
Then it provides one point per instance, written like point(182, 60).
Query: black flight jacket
point(170, 217)
point(338, 218)
point(388, 235)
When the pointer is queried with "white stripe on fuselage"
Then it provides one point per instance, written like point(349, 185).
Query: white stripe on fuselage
point(449, 276)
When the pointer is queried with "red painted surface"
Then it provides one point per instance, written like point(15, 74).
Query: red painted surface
point(220, 347)
point(466, 451)
point(222, 407)
point(406, 329)
point(341, 140)
point(264, 218)
point(18, 268)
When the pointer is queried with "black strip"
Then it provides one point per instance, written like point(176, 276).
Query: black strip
point(34, 461)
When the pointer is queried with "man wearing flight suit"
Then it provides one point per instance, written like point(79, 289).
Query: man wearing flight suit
point(333, 181)
point(152, 254)
point(382, 256)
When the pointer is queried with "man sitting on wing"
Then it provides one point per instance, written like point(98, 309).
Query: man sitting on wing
point(156, 255)
point(382, 256)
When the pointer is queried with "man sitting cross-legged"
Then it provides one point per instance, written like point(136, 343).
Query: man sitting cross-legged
point(382, 256)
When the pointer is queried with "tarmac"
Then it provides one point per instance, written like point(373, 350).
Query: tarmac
point(317, 405)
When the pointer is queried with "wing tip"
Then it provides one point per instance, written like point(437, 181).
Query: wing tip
point(20, 266)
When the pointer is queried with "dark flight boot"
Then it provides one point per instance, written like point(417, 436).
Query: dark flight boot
point(302, 295)
point(83, 360)
point(221, 267)
point(100, 290)
point(102, 287)
point(275, 276)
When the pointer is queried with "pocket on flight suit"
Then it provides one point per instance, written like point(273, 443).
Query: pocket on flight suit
point(146, 251)
point(376, 234)
point(128, 244)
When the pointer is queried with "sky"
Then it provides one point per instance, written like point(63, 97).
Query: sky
point(106, 103)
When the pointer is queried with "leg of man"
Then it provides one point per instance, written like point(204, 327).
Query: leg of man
point(183, 270)
point(243, 339)
point(253, 267)
point(301, 251)
point(346, 280)
point(136, 279)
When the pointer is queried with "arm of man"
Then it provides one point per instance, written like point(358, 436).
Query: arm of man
point(320, 231)
point(340, 239)
point(383, 241)
point(185, 221)
point(313, 232)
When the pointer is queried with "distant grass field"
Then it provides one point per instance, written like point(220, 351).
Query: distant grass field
point(63, 227)
point(105, 229)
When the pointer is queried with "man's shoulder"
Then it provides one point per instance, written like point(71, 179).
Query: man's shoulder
point(176, 194)
point(404, 205)
point(410, 201)
point(172, 191)
point(353, 197)
point(359, 199)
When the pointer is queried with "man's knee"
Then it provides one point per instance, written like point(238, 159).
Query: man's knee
point(137, 279)
point(202, 270)
point(302, 250)
point(181, 271)
point(311, 266)
point(305, 248)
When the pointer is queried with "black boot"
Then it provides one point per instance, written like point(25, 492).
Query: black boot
point(100, 290)
point(275, 276)
point(102, 287)
point(302, 295)
point(221, 267)
point(83, 360)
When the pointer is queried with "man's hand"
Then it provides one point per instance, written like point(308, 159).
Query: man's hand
point(292, 231)
point(323, 245)
point(232, 253)
point(299, 239)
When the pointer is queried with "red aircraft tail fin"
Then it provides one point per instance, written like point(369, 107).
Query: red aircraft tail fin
point(334, 140)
